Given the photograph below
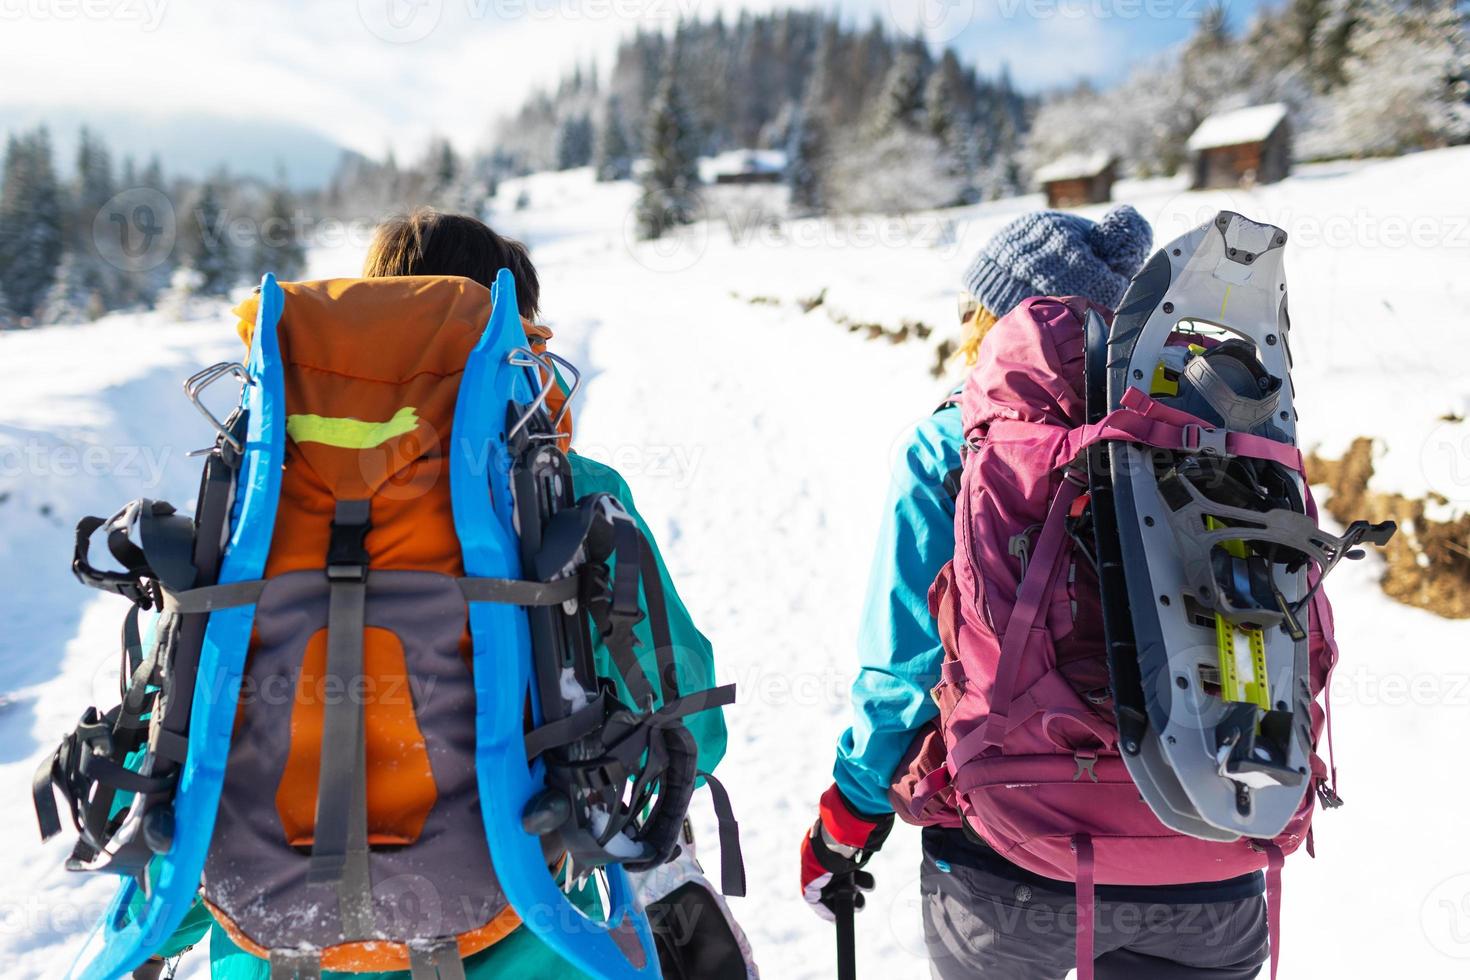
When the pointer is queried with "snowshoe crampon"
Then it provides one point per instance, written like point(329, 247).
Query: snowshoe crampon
point(1208, 547)
point(303, 724)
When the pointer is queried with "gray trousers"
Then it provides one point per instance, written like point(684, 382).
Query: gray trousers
point(981, 925)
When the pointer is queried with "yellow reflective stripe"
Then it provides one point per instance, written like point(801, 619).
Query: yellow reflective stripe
point(351, 433)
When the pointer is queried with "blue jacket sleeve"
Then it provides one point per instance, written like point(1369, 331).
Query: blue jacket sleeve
point(899, 652)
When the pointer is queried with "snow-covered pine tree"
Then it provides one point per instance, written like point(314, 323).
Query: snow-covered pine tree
point(71, 299)
point(206, 243)
point(1406, 82)
point(670, 194)
point(31, 207)
point(614, 157)
point(180, 299)
point(900, 104)
point(278, 247)
point(809, 148)
point(897, 166)
point(574, 141)
point(144, 285)
point(8, 317)
point(92, 189)
point(446, 165)
point(945, 120)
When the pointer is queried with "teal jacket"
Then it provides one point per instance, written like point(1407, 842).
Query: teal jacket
point(898, 644)
point(521, 954)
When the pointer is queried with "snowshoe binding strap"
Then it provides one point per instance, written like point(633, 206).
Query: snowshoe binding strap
point(118, 769)
point(630, 769)
point(1271, 526)
point(161, 557)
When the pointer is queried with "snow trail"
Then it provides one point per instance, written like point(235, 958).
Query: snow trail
point(757, 439)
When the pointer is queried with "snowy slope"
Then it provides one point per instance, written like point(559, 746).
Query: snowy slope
point(758, 440)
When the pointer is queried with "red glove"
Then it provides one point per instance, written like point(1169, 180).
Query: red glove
point(834, 851)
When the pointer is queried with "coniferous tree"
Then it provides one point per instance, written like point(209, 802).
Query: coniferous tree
point(945, 122)
point(670, 194)
point(92, 190)
point(614, 157)
point(71, 298)
point(574, 142)
point(144, 284)
point(807, 155)
point(207, 246)
point(278, 247)
point(8, 317)
point(446, 166)
point(1406, 82)
point(31, 216)
point(901, 102)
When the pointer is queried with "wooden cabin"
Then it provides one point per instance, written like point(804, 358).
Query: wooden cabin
point(1242, 147)
point(744, 167)
point(1078, 178)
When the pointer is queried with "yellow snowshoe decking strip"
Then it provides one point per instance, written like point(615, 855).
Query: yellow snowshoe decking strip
point(1242, 652)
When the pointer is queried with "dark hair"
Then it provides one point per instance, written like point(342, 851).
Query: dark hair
point(430, 243)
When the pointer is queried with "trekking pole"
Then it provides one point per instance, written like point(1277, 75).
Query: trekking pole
point(843, 908)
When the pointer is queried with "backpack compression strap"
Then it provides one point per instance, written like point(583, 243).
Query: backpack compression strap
point(339, 849)
point(599, 749)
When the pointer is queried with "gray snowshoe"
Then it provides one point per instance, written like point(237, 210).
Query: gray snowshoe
point(1205, 547)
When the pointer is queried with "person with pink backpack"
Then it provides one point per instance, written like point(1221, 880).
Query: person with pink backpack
point(1089, 877)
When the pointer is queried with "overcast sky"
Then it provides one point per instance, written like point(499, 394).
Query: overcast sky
point(374, 73)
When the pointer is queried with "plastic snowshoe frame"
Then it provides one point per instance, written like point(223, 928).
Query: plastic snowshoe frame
point(1209, 766)
point(492, 386)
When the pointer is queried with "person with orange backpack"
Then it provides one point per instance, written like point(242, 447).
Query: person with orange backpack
point(354, 798)
point(1001, 702)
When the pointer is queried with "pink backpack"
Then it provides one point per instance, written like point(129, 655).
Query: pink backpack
point(1049, 790)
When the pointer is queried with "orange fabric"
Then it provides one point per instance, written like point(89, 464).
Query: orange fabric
point(357, 353)
point(400, 780)
point(538, 334)
point(364, 957)
point(398, 361)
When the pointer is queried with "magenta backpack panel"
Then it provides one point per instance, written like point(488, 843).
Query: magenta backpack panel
point(1030, 753)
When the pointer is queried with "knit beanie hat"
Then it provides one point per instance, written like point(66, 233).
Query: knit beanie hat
point(1055, 253)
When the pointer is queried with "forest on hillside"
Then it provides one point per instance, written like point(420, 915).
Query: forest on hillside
point(868, 118)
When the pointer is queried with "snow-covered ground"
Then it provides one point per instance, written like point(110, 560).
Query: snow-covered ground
point(758, 439)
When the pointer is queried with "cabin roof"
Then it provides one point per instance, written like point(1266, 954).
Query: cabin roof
point(1074, 166)
point(1237, 126)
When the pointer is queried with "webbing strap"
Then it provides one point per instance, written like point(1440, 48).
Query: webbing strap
point(211, 597)
point(440, 961)
point(1086, 903)
point(615, 618)
point(295, 964)
point(1143, 420)
point(1274, 860)
point(658, 623)
point(732, 861)
point(519, 592)
point(339, 852)
point(1035, 587)
point(925, 789)
point(564, 731)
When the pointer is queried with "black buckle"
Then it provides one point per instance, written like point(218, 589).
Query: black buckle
point(347, 554)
